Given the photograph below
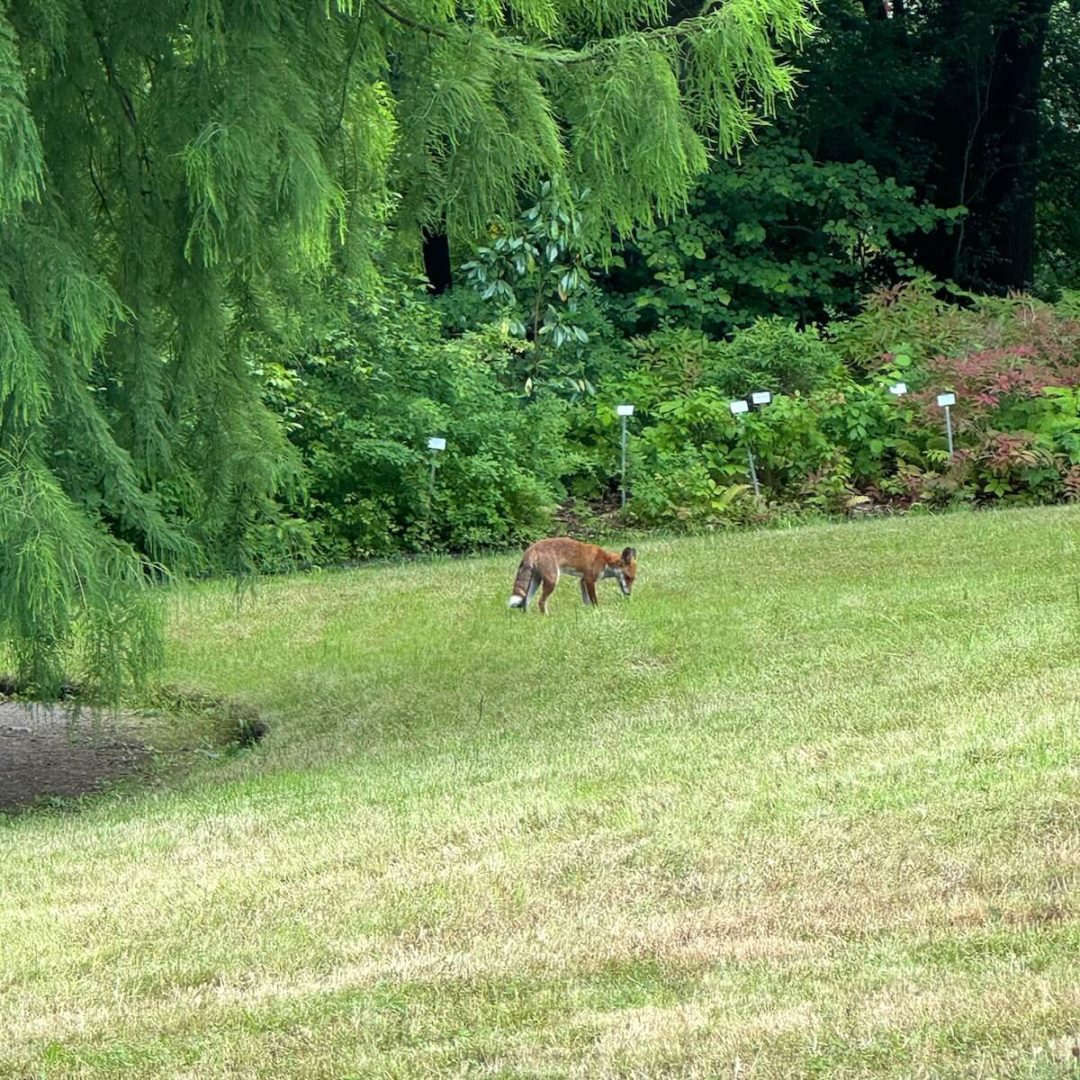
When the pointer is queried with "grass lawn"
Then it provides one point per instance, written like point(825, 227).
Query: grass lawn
point(807, 805)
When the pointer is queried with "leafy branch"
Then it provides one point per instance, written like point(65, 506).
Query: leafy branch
point(537, 268)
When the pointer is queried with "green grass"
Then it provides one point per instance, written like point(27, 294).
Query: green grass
point(807, 805)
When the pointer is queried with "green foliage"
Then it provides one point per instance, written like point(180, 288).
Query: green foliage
point(681, 383)
point(508, 97)
point(688, 461)
point(830, 446)
point(1011, 362)
point(910, 318)
point(536, 271)
point(773, 233)
point(180, 179)
point(970, 103)
point(925, 320)
point(74, 599)
point(361, 404)
point(20, 149)
point(834, 439)
point(771, 354)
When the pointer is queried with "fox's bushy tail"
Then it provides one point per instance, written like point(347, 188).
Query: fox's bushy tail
point(519, 597)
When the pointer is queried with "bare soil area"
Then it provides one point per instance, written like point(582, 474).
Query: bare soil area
point(49, 751)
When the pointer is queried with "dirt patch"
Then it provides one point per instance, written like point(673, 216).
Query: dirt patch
point(60, 751)
point(49, 751)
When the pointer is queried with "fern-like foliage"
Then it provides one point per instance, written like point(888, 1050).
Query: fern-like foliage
point(611, 94)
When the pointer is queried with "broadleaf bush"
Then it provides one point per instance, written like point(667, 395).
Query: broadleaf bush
point(361, 401)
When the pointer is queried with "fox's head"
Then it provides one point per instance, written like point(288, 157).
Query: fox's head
point(626, 571)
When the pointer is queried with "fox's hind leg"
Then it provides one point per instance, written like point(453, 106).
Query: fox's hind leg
point(534, 584)
point(547, 590)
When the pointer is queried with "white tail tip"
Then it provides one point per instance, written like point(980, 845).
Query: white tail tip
point(516, 601)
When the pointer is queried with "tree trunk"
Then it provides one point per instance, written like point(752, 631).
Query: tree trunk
point(986, 132)
point(437, 262)
point(1012, 133)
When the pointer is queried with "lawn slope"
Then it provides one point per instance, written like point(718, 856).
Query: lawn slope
point(807, 805)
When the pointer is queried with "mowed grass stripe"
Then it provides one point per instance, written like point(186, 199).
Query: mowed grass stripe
point(805, 805)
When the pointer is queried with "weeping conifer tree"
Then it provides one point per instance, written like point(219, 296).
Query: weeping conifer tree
point(178, 176)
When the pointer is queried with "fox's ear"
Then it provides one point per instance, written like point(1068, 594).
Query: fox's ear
point(628, 554)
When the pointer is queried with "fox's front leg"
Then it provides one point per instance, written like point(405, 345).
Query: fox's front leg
point(585, 599)
point(588, 587)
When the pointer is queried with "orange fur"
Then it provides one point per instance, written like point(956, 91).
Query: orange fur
point(544, 562)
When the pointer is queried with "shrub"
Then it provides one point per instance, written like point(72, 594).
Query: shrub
point(773, 354)
point(775, 233)
point(361, 403)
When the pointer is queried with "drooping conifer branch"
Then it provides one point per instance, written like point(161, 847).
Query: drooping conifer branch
point(790, 30)
point(178, 178)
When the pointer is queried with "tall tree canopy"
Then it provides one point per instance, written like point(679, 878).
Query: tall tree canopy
point(178, 176)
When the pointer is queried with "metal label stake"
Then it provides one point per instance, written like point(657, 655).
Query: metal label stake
point(945, 401)
point(435, 444)
point(737, 410)
point(623, 411)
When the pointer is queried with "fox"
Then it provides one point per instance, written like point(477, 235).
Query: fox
point(544, 562)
